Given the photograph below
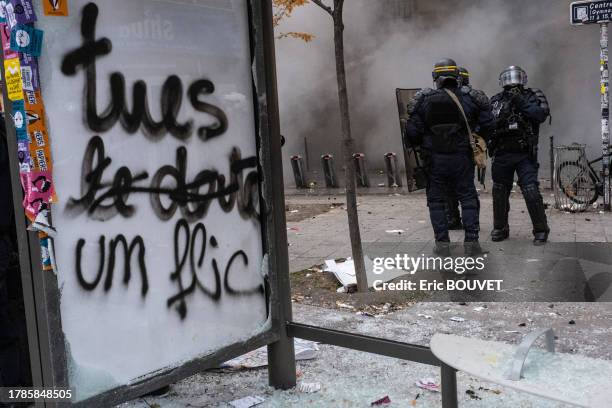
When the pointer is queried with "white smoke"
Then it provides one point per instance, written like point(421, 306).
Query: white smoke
point(385, 51)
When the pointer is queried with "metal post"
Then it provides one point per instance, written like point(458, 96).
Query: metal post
point(306, 155)
point(327, 162)
point(360, 170)
point(605, 114)
point(552, 162)
point(393, 176)
point(298, 171)
point(281, 354)
point(449, 386)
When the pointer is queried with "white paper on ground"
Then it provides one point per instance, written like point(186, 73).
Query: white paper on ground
point(308, 388)
point(247, 402)
point(304, 350)
point(345, 272)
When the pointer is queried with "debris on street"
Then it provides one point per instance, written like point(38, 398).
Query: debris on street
point(383, 401)
point(309, 387)
point(247, 402)
point(345, 272)
point(344, 305)
point(429, 384)
point(473, 394)
point(497, 392)
point(304, 350)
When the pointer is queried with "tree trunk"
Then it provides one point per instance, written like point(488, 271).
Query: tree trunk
point(347, 144)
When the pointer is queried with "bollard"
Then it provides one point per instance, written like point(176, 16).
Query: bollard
point(327, 161)
point(306, 155)
point(361, 171)
point(393, 175)
point(552, 162)
point(297, 165)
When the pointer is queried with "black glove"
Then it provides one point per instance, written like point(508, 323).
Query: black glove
point(516, 97)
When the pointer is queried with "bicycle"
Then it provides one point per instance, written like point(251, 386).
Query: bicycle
point(579, 181)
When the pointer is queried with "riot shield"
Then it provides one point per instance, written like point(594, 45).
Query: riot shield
point(415, 179)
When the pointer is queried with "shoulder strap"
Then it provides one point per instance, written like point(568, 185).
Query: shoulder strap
point(471, 136)
point(456, 100)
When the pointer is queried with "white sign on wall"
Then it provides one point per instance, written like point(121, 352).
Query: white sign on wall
point(152, 126)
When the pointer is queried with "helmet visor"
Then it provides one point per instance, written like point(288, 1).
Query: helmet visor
point(515, 76)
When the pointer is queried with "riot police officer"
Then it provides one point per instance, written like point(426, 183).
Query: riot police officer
point(519, 112)
point(464, 77)
point(437, 125)
point(452, 203)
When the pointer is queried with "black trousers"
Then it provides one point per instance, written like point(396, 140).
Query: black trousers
point(453, 171)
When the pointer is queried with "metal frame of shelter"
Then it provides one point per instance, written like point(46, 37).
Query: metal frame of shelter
point(41, 293)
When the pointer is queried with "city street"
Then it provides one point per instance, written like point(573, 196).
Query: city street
point(325, 236)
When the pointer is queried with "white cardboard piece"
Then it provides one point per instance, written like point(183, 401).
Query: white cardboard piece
point(345, 272)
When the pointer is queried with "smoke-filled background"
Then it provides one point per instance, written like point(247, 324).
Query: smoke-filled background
point(394, 43)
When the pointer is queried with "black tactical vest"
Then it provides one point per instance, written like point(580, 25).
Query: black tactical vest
point(445, 121)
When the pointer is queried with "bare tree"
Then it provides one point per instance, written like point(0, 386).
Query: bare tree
point(347, 139)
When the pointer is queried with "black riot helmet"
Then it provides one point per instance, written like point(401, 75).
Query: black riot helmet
point(464, 76)
point(445, 72)
point(513, 76)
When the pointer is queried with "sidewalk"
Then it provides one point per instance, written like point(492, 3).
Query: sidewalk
point(325, 236)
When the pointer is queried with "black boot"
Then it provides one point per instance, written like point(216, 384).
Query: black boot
point(442, 249)
point(501, 206)
point(472, 249)
point(537, 212)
